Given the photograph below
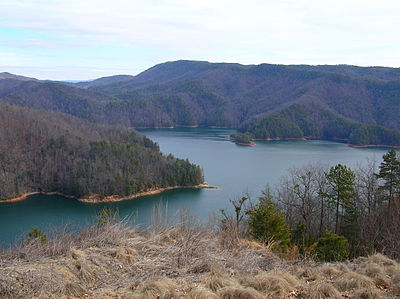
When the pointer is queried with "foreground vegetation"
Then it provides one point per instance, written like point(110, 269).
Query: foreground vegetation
point(330, 214)
point(43, 151)
point(185, 261)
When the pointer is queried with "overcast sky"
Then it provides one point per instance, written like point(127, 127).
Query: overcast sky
point(85, 39)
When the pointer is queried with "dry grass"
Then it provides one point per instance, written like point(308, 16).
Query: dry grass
point(322, 290)
point(186, 261)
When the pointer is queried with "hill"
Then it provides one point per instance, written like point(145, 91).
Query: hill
point(103, 81)
point(312, 121)
point(44, 151)
point(52, 96)
point(6, 75)
point(237, 93)
point(197, 93)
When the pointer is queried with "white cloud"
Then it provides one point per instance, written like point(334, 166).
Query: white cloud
point(287, 31)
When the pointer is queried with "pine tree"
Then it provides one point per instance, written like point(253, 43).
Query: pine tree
point(389, 171)
point(341, 194)
point(267, 223)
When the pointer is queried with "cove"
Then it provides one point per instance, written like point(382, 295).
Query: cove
point(233, 168)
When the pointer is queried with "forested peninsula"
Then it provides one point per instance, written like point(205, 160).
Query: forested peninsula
point(314, 122)
point(48, 152)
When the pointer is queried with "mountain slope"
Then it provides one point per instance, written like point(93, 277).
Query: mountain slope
point(55, 97)
point(103, 81)
point(197, 93)
point(6, 75)
point(248, 91)
point(54, 152)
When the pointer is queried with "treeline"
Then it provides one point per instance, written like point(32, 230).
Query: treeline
point(329, 213)
point(54, 152)
point(299, 121)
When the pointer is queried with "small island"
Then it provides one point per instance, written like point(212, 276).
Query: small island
point(245, 139)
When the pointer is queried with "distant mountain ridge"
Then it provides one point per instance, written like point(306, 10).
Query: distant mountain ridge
point(6, 75)
point(199, 93)
point(369, 95)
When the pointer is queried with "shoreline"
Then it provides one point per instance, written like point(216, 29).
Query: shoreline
point(279, 139)
point(336, 139)
point(95, 198)
point(373, 145)
point(115, 198)
point(181, 126)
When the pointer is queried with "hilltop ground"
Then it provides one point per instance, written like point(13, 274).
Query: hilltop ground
point(188, 261)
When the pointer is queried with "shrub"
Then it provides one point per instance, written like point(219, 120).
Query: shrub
point(332, 247)
point(37, 234)
point(267, 223)
point(106, 216)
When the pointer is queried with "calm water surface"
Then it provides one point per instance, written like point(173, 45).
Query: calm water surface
point(234, 169)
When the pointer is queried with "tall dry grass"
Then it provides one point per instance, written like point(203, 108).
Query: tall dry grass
point(186, 260)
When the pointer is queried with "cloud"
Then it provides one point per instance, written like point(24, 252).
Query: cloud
point(286, 31)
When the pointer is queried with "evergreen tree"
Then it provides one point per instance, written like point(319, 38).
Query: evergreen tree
point(389, 171)
point(267, 223)
point(341, 194)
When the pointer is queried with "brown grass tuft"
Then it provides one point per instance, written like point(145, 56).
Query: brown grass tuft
point(354, 281)
point(74, 290)
point(125, 255)
point(329, 271)
point(251, 244)
point(163, 288)
point(84, 272)
point(218, 281)
point(200, 292)
point(76, 254)
point(239, 292)
point(322, 290)
point(368, 294)
point(278, 283)
point(381, 260)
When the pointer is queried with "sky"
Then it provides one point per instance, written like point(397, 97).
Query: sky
point(87, 39)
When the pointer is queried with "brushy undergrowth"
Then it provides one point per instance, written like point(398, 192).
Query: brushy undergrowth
point(184, 261)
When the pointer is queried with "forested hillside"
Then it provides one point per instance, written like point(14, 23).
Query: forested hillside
point(311, 121)
point(54, 152)
point(237, 92)
point(196, 93)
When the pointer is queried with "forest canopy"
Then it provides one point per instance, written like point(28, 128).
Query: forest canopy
point(54, 152)
point(312, 121)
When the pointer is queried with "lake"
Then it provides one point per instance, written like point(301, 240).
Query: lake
point(233, 168)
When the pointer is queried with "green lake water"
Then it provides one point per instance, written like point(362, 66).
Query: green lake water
point(233, 168)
